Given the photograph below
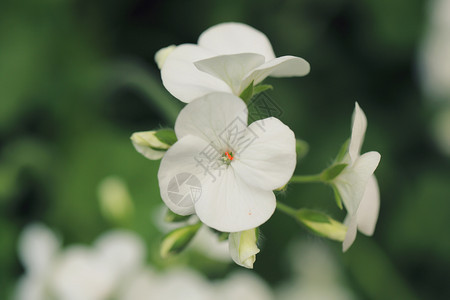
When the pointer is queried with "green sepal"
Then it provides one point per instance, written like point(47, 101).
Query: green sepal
point(337, 197)
point(332, 172)
point(172, 217)
point(342, 152)
point(302, 148)
point(322, 224)
point(166, 136)
point(261, 88)
point(177, 240)
point(247, 94)
point(222, 236)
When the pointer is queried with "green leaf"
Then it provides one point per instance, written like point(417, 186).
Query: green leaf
point(322, 224)
point(302, 148)
point(337, 196)
point(247, 94)
point(342, 152)
point(177, 240)
point(223, 236)
point(332, 172)
point(261, 88)
point(167, 136)
point(172, 217)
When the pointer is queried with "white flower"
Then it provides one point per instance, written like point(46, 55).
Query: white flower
point(38, 247)
point(227, 58)
point(243, 248)
point(222, 170)
point(78, 272)
point(357, 185)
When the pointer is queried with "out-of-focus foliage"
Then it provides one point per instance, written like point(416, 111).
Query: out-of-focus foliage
point(78, 77)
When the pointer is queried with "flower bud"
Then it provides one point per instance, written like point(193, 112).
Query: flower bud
point(322, 225)
point(162, 54)
point(153, 144)
point(115, 200)
point(243, 248)
point(177, 240)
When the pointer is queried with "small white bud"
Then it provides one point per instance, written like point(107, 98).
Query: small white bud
point(162, 54)
point(243, 248)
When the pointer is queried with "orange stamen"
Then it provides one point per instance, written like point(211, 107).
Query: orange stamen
point(229, 156)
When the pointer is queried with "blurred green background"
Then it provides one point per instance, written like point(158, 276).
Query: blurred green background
point(77, 78)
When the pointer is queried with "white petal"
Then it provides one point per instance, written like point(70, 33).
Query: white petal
point(183, 80)
point(245, 285)
point(207, 243)
point(38, 247)
point(179, 176)
point(351, 233)
point(162, 54)
point(214, 118)
point(359, 125)
point(268, 160)
point(31, 288)
point(368, 209)
point(229, 204)
point(231, 68)
point(79, 274)
point(352, 182)
point(232, 38)
point(121, 249)
point(284, 66)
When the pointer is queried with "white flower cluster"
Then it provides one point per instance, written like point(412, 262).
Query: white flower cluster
point(223, 169)
point(114, 268)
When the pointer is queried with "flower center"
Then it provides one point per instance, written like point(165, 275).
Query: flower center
point(227, 157)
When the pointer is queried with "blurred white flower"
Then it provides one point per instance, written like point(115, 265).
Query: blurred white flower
point(232, 168)
point(243, 248)
point(38, 247)
point(441, 130)
point(227, 58)
point(435, 53)
point(78, 272)
point(316, 274)
point(243, 285)
point(184, 283)
point(357, 185)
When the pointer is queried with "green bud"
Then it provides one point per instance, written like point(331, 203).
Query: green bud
point(302, 148)
point(337, 197)
point(172, 217)
point(153, 144)
point(322, 225)
point(261, 88)
point(177, 240)
point(247, 94)
point(342, 152)
point(115, 200)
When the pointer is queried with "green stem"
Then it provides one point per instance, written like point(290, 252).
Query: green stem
point(134, 75)
point(287, 209)
point(305, 178)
